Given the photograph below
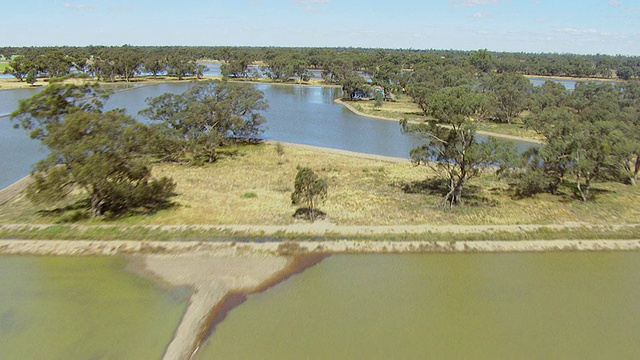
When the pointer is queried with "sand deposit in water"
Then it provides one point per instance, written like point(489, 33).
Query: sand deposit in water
point(443, 306)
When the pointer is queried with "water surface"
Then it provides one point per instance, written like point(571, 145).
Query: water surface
point(297, 114)
point(443, 306)
point(83, 308)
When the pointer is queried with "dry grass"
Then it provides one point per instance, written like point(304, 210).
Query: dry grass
point(404, 108)
point(13, 83)
point(252, 185)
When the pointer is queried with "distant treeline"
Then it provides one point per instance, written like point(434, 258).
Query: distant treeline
point(128, 61)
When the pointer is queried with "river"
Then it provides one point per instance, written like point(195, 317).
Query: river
point(565, 305)
point(297, 114)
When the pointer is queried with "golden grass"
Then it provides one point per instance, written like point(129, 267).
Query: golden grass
point(254, 187)
point(404, 108)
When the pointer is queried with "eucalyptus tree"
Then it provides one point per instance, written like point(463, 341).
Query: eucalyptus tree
point(584, 136)
point(513, 92)
point(155, 63)
point(309, 190)
point(181, 66)
point(54, 102)
point(55, 63)
point(208, 115)
point(101, 154)
point(20, 66)
point(450, 146)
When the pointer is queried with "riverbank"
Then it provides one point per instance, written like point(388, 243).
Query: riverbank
point(250, 187)
point(400, 115)
point(569, 78)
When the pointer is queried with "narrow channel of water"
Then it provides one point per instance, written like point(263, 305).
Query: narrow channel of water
point(443, 306)
point(83, 308)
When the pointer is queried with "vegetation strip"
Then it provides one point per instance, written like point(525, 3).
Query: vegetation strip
point(288, 248)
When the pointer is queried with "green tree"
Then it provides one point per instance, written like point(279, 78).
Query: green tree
point(513, 92)
point(100, 154)
point(353, 86)
point(31, 77)
point(482, 60)
point(155, 64)
point(584, 137)
point(208, 115)
point(450, 146)
point(20, 66)
point(309, 190)
point(55, 101)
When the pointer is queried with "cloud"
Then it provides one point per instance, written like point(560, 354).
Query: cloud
point(121, 9)
point(310, 2)
point(81, 7)
point(580, 32)
point(311, 6)
point(615, 3)
point(472, 3)
point(313, 10)
point(480, 15)
point(632, 10)
point(542, 20)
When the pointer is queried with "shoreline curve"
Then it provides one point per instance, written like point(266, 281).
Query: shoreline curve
point(479, 132)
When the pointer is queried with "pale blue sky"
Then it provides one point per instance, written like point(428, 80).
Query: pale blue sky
point(585, 27)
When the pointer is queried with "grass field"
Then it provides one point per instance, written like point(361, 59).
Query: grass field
point(252, 185)
point(404, 108)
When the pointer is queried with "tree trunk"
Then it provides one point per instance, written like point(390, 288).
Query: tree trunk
point(96, 203)
point(634, 178)
point(457, 194)
point(212, 155)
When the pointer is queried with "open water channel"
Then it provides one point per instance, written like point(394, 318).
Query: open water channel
point(296, 114)
point(555, 305)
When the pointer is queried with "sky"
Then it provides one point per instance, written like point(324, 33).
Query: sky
point(534, 26)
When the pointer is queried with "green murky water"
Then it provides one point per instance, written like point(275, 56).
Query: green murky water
point(83, 308)
point(457, 306)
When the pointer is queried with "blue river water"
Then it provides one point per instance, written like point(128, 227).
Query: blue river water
point(297, 114)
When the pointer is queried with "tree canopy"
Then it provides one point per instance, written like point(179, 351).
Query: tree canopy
point(208, 115)
point(102, 154)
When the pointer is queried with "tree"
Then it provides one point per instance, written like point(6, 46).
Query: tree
point(57, 100)
point(450, 146)
point(583, 137)
point(155, 64)
point(482, 60)
point(310, 190)
point(512, 92)
point(31, 77)
point(208, 115)
point(20, 66)
point(100, 154)
point(353, 86)
point(181, 66)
